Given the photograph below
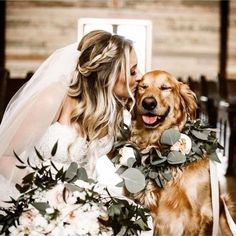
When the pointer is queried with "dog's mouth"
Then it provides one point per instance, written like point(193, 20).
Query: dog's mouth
point(152, 120)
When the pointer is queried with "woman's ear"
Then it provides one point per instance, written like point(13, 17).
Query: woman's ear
point(188, 100)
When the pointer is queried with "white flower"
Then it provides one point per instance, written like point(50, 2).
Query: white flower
point(84, 227)
point(86, 207)
point(39, 195)
point(82, 184)
point(71, 200)
point(40, 222)
point(81, 195)
point(126, 153)
point(50, 210)
point(183, 145)
point(107, 233)
point(127, 117)
point(26, 218)
point(55, 196)
point(58, 231)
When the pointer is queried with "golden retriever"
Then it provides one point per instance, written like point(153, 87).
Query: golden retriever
point(183, 206)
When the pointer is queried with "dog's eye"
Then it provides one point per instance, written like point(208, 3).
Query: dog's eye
point(165, 87)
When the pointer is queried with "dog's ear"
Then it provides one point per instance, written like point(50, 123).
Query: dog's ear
point(188, 100)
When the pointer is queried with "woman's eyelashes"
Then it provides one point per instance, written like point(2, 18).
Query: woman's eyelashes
point(133, 72)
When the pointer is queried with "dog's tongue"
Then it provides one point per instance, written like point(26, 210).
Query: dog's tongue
point(149, 119)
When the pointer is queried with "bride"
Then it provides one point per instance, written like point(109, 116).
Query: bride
point(76, 98)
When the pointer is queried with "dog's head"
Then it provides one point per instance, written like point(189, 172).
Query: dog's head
point(162, 102)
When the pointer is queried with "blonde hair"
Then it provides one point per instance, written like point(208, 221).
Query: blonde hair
point(103, 57)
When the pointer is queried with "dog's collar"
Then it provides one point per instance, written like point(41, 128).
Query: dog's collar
point(157, 164)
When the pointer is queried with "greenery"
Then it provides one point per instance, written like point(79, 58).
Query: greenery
point(122, 216)
point(157, 163)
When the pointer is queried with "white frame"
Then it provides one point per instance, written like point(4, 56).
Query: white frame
point(112, 21)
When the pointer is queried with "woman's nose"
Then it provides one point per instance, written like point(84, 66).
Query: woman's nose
point(139, 76)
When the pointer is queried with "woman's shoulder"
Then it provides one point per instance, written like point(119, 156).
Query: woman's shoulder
point(70, 146)
point(65, 113)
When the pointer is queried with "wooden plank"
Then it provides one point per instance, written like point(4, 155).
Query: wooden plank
point(2, 32)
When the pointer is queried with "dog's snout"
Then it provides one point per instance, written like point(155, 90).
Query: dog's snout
point(149, 103)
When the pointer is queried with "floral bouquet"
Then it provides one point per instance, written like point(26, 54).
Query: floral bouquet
point(54, 201)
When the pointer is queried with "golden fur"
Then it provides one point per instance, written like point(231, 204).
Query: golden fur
point(183, 206)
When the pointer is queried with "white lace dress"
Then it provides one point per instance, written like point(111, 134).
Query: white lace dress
point(71, 148)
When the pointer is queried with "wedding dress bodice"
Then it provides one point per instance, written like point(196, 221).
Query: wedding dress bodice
point(71, 147)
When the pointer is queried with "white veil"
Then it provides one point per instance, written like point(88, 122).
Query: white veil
point(35, 106)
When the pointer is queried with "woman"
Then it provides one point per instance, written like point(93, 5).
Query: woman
point(76, 98)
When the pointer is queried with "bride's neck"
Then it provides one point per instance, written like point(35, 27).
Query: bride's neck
point(65, 114)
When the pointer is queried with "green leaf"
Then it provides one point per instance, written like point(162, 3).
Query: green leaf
point(72, 187)
point(20, 167)
point(210, 148)
point(141, 224)
point(220, 146)
point(120, 185)
point(199, 135)
point(160, 181)
point(18, 187)
point(59, 173)
point(71, 171)
point(131, 161)
point(64, 194)
point(170, 136)
point(167, 174)
point(196, 149)
point(54, 149)
point(114, 209)
point(18, 158)
point(40, 206)
point(153, 174)
point(28, 178)
point(38, 154)
point(156, 157)
point(159, 161)
point(82, 174)
point(53, 165)
point(214, 157)
point(134, 180)
point(175, 157)
point(155, 154)
point(206, 132)
point(121, 169)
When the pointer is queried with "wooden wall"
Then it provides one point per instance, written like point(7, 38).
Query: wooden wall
point(185, 33)
point(231, 68)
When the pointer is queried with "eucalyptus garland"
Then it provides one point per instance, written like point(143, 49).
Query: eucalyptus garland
point(157, 163)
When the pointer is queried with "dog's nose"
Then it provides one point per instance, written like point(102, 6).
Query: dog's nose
point(149, 103)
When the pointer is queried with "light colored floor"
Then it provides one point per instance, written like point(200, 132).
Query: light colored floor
point(227, 183)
